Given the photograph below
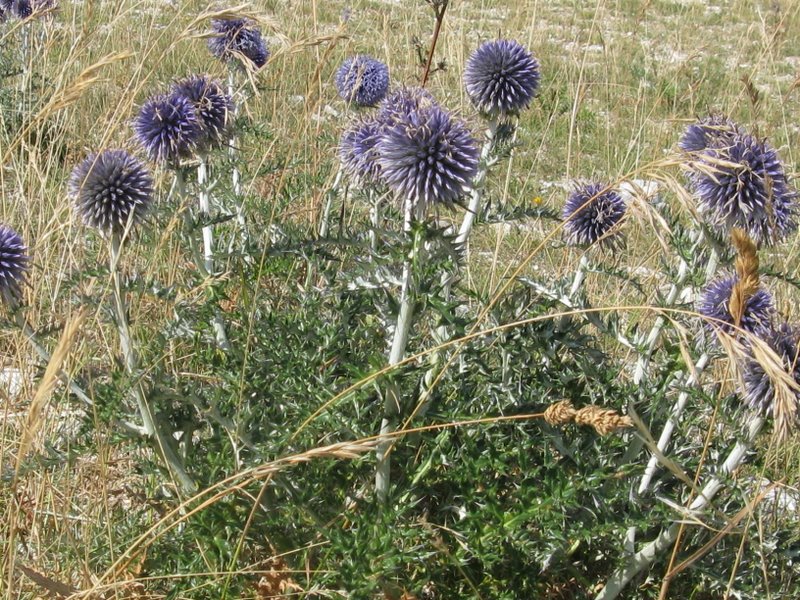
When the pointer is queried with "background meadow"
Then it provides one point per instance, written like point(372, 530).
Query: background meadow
point(277, 432)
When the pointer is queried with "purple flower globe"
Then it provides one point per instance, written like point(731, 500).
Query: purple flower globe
point(234, 39)
point(168, 129)
point(362, 80)
point(591, 214)
point(110, 190)
point(6, 5)
point(714, 305)
point(22, 9)
point(709, 132)
point(213, 107)
point(744, 185)
point(358, 151)
point(398, 105)
point(428, 157)
point(759, 390)
point(14, 262)
point(501, 78)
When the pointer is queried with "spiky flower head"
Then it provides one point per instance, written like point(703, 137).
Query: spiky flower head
point(714, 305)
point(6, 4)
point(22, 9)
point(501, 78)
point(759, 388)
point(362, 80)
point(111, 189)
point(428, 157)
point(709, 132)
point(399, 104)
point(237, 38)
point(213, 107)
point(591, 214)
point(743, 184)
point(168, 129)
point(13, 264)
point(358, 150)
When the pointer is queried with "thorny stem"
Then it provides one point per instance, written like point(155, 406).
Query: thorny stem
point(645, 557)
point(439, 8)
point(160, 440)
point(391, 400)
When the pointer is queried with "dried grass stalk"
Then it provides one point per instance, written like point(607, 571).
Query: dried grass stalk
point(559, 413)
point(747, 270)
point(604, 420)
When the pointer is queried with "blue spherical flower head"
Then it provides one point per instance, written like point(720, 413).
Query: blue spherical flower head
point(111, 190)
point(22, 9)
point(167, 127)
point(501, 78)
point(428, 157)
point(235, 39)
point(744, 185)
point(714, 305)
point(14, 262)
point(593, 213)
point(398, 105)
point(759, 388)
point(710, 132)
point(212, 105)
point(362, 80)
point(358, 151)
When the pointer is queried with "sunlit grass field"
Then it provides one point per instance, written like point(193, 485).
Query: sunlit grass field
point(619, 83)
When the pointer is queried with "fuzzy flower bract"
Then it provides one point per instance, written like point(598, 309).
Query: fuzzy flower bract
point(398, 105)
point(167, 127)
point(501, 78)
point(709, 132)
point(714, 305)
point(212, 104)
point(13, 264)
point(744, 184)
point(362, 80)
point(237, 38)
point(759, 388)
point(111, 189)
point(428, 157)
point(592, 214)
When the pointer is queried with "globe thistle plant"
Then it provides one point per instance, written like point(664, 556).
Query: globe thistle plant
point(428, 157)
point(362, 80)
point(213, 107)
point(759, 392)
point(14, 262)
point(358, 152)
point(112, 190)
point(234, 39)
point(714, 306)
point(22, 9)
point(501, 78)
point(743, 184)
point(709, 132)
point(168, 129)
point(592, 214)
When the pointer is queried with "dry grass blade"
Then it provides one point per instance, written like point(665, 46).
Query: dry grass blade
point(786, 389)
point(747, 271)
point(51, 376)
point(53, 588)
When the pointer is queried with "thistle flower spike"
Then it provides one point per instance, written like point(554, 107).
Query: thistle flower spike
point(362, 80)
point(592, 214)
point(111, 190)
point(235, 39)
point(14, 262)
point(715, 305)
point(501, 78)
point(168, 129)
point(213, 107)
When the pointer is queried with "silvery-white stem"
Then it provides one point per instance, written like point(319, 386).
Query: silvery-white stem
point(161, 441)
point(330, 195)
point(645, 557)
point(374, 220)
point(669, 426)
point(391, 400)
point(580, 275)
point(204, 197)
point(476, 191)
